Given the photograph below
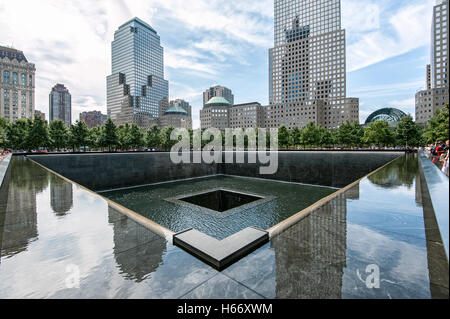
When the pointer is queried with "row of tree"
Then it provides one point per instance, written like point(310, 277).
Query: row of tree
point(34, 134)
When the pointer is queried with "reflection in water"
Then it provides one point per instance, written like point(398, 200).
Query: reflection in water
point(19, 209)
point(311, 262)
point(402, 171)
point(148, 247)
point(61, 195)
point(28, 181)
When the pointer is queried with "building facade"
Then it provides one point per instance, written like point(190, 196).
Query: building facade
point(93, 118)
point(17, 85)
point(60, 104)
point(436, 94)
point(249, 115)
point(218, 91)
point(307, 66)
point(136, 89)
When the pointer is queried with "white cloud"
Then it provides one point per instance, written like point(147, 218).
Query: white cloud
point(406, 30)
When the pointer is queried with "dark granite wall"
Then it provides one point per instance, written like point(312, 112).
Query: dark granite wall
point(109, 171)
point(336, 169)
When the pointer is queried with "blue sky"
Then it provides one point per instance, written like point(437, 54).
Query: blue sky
point(209, 42)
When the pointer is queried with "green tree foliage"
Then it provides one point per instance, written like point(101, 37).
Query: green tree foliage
point(124, 135)
point(37, 135)
point(108, 136)
point(78, 135)
point(326, 138)
point(350, 134)
point(310, 135)
point(94, 137)
point(379, 133)
point(437, 128)
point(152, 138)
point(4, 126)
point(408, 132)
point(17, 133)
point(295, 136)
point(58, 135)
point(166, 142)
point(136, 136)
point(283, 137)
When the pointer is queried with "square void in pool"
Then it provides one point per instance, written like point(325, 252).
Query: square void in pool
point(219, 206)
point(221, 200)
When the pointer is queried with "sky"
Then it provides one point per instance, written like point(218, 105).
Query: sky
point(214, 42)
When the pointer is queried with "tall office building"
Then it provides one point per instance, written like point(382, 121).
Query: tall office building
point(17, 85)
point(218, 91)
point(436, 94)
point(307, 66)
point(60, 104)
point(136, 89)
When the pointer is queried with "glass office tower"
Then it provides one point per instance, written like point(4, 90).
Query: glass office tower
point(307, 69)
point(136, 90)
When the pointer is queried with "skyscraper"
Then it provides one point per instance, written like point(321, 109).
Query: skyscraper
point(60, 104)
point(218, 91)
point(436, 94)
point(16, 85)
point(136, 89)
point(307, 66)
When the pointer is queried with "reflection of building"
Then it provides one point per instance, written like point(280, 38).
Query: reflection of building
point(61, 195)
point(436, 95)
point(16, 85)
point(149, 246)
point(311, 263)
point(390, 115)
point(60, 104)
point(93, 118)
point(307, 76)
point(136, 89)
point(20, 217)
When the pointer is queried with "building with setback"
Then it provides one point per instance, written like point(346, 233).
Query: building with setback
point(436, 96)
point(307, 66)
point(136, 89)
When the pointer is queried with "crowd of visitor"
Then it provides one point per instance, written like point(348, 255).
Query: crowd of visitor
point(439, 155)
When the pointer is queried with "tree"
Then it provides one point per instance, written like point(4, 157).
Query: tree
point(136, 136)
point(124, 135)
point(350, 134)
point(108, 136)
point(310, 135)
point(166, 142)
point(78, 136)
point(326, 138)
point(437, 128)
point(94, 137)
point(295, 136)
point(37, 134)
point(408, 132)
point(4, 126)
point(283, 137)
point(152, 138)
point(379, 133)
point(16, 134)
point(58, 135)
